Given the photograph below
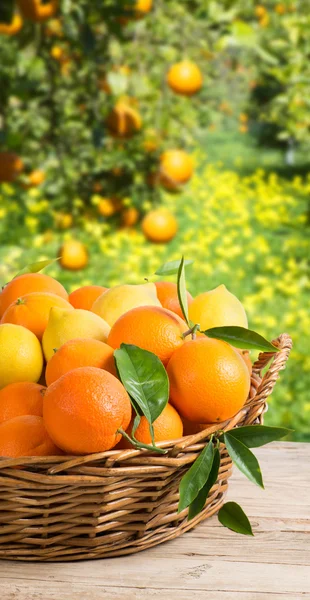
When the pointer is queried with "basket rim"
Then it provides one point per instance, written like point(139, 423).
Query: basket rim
point(261, 387)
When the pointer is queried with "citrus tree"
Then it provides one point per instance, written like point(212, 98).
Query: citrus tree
point(96, 97)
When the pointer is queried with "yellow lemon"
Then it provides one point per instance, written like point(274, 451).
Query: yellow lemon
point(116, 301)
point(21, 356)
point(65, 325)
point(217, 308)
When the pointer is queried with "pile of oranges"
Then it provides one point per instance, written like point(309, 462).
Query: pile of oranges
point(59, 387)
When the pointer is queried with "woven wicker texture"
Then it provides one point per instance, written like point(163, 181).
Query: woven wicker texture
point(117, 502)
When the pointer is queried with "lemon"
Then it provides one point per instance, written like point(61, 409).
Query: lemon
point(116, 301)
point(21, 356)
point(217, 308)
point(64, 325)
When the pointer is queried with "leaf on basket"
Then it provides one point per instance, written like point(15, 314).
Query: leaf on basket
point(240, 337)
point(182, 294)
point(244, 459)
point(196, 477)
point(36, 266)
point(232, 516)
point(145, 379)
point(171, 267)
point(254, 436)
point(197, 505)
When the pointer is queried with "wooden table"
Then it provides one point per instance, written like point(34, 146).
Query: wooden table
point(208, 563)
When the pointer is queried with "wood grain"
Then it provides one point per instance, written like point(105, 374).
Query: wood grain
point(274, 565)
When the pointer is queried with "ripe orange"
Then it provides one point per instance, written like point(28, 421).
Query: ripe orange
point(130, 216)
point(143, 7)
point(167, 294)
point(84, 409)
point(63, 220)
point(84, 297)
point(209, 380)
point(32, 311)
point(176, 168)
point(26, 436)
point(36, 10)
point(12, 28)
point(109, 206)
point(124, 120)
point(150, 327)
point(27, 283)
point(159, 226)
point(79, 352)
point(168, 426)
point(10, 166)
point(73, 255)
point(22, 398)
point(185, 78)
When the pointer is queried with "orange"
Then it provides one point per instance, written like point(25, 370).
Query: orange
point(168, 426)
point(32, 311)
point(185, 78)
point(22, 398)
point(26, 436)
point(243, 128)
point(159, 226)
point(63, 220)
point(280, 9)
point(35, 178)
point(260, 11)
point(38, 11)
point(12, 28)
point(27, 283)
point(150, 327)
point(209, 380)
point(73, 255)
point(124, 120)
point(84, 409)
point(79, 352)
point(10, 166)
point(84, 297)
point(176, 168)
point(167, 294)
point(130, 216)
point(143, 7)
point(109, 206)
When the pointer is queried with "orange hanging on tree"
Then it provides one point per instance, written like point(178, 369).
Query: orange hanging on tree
point(185, 78)
point(12, 28)
point(36, 10)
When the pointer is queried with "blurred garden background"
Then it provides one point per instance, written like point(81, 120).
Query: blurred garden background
point(135, 131)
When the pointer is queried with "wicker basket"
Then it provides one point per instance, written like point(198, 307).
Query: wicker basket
point(117, 502)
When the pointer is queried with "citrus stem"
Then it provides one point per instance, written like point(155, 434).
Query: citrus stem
point(139, 445)
point(192, 331)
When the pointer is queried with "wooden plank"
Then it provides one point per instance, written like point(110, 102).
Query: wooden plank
point(274, 564)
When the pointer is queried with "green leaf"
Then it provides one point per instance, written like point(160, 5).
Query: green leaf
point(145, 379)
point(254, 436)
point(244, 459)
point(171, 267)
point(240, 337)
point(243, 33)
point(117, 82)
point(232, 516)
point(36, 266)
point(197, 505)
point(266, 56)
point(182, 295)
point(196, 477)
